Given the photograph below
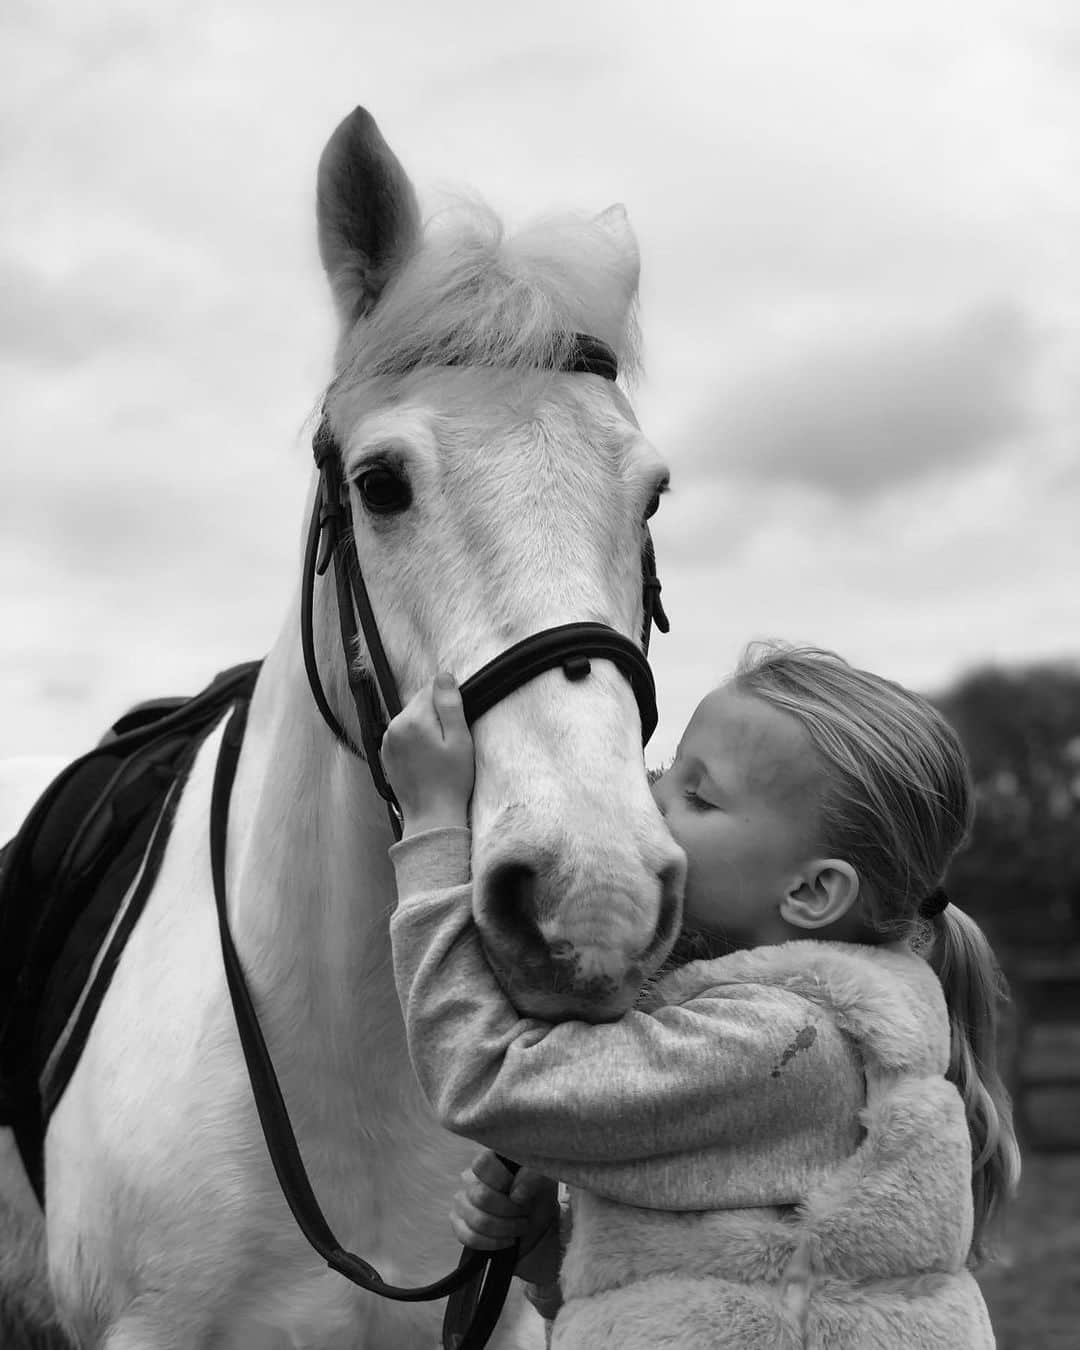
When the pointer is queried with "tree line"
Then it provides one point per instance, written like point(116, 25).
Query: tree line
point(1020, 875)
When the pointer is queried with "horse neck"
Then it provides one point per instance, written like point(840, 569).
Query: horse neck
point(310, 886)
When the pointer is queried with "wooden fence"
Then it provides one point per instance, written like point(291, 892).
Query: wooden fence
point(1045, 1057)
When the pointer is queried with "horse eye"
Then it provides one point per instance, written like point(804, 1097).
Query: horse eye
point(654, 500)
point(384, 491)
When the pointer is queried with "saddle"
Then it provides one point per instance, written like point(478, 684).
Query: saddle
point(73, 882)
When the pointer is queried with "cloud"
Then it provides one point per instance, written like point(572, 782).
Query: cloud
point(918, 585)
point(859, 416)
point(811, 186)
point(44, 320)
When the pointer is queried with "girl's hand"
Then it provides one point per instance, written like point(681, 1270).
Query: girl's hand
point(495, 1208)
point(427, 753)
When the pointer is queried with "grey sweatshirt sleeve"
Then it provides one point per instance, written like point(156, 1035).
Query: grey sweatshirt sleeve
point(673, 1108)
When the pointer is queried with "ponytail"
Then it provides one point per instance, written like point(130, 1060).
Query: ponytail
point(975, 989)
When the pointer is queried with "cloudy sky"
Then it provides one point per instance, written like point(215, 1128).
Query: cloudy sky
point(860, 299)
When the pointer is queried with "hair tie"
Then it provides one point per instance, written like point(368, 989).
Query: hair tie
point(934, 904)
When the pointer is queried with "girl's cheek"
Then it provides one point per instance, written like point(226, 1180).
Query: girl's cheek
point(682, 831)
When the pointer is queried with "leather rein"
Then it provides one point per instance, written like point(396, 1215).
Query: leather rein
point(477, 1287)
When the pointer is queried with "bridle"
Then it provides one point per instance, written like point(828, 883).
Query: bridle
point(477, 1288)
point(374, 692)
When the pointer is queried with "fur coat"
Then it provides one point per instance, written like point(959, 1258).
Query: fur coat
point(769, 1155)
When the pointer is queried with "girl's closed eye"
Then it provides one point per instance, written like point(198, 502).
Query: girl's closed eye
point(698, 803)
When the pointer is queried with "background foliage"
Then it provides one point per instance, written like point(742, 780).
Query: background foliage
point(1020, 876)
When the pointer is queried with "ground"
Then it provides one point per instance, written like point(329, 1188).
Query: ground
point(1034, 1293)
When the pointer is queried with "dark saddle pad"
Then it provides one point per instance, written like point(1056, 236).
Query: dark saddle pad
point(99, 826)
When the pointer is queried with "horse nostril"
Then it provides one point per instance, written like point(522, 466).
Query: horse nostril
point(670, 917)
point(511, 891)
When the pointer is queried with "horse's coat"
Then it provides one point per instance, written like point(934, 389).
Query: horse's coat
point(165, 1225)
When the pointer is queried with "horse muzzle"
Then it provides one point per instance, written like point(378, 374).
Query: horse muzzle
point(576, 944)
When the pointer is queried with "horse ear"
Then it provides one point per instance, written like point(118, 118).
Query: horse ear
point(367, 214)
point(614, 221)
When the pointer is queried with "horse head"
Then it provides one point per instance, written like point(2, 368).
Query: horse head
point(494, 495)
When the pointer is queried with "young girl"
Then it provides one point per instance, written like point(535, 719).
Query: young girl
point(798, 1141)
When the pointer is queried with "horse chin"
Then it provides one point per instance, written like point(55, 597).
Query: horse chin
point(559, 982)
point(550, 1008)
point(557, 997)
point(576, 904)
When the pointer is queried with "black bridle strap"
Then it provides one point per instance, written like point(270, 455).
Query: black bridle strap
point(485, 687)
point(365, 693)
point(495, 1269)
point(568, 645)
point(347, 567)
point(327, 545)
point(652, 606)
point(313, 565)
point(586, 355)
point(340, 546)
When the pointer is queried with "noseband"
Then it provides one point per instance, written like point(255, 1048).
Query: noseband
point(374, 692)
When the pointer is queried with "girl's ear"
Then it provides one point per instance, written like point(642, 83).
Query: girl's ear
point(823, 894)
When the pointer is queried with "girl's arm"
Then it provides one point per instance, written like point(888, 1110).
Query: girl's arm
point(713, 1076)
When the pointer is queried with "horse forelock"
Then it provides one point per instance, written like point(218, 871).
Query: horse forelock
point(473, 295)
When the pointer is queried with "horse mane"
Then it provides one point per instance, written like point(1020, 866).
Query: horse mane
point(473, 295)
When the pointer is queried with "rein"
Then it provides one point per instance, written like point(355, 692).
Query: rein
point(488, 1276)
point(478, 1286)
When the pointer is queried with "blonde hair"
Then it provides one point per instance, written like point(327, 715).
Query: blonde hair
point(898, 803)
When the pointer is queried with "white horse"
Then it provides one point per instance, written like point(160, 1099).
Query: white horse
point(520, 498)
